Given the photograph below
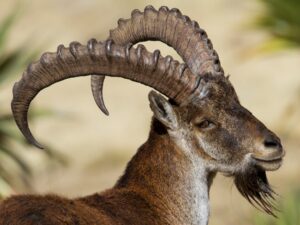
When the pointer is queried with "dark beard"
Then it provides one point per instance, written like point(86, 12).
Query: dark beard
point(254, 186)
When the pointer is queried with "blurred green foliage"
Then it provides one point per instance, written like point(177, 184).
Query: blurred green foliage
point(14, 170)
point(9, 64)
point(281, 18)
point(289, 215)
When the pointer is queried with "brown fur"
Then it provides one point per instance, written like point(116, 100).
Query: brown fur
point(141, 196)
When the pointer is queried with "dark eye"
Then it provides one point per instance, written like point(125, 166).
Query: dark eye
point(205, 124)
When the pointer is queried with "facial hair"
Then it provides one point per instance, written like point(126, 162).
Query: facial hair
point(254, 186)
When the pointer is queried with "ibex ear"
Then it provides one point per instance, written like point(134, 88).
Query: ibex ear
point(163, 110)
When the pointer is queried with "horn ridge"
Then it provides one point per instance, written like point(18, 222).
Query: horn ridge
point(136, 64)
point(166, 25)
point(173, 28)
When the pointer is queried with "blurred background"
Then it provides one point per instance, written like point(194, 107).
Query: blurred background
point(258, 42)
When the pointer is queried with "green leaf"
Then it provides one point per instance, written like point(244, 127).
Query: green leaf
point(5, 26)
point(16, 158)
point(282, 21)
point(289, 215)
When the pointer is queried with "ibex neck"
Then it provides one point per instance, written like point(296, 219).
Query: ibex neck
point(174, 182)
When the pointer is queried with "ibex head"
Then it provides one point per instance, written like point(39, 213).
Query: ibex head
point(217, 128)
point(203, 116)
point(220, 129)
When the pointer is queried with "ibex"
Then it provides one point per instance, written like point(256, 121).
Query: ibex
point(200, 130)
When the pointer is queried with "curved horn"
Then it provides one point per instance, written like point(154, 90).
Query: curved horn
point(136, 64)
point(97, 83)
point(172, 28)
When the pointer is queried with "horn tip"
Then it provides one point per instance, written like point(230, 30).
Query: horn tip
point(39, 146)
point(105, 111)
point(35, 143)
point(29, 137)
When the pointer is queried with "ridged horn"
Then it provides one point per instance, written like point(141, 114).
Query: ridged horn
point(174, 29)
point(97, 83)
point(164, 74)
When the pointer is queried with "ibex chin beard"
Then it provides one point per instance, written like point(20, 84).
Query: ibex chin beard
point(252, 181)
point(253, 184)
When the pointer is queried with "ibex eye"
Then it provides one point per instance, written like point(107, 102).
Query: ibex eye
point(205, 124)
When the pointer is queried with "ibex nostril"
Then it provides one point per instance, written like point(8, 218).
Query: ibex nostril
point(272, 143)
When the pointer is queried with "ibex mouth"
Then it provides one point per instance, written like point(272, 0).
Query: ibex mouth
point(271, 157)
point(269, 164)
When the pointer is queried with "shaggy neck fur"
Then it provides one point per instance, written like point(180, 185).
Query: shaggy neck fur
point(171, 178)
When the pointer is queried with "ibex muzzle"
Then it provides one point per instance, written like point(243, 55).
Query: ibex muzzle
point(202, 129)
